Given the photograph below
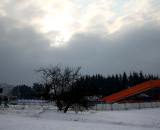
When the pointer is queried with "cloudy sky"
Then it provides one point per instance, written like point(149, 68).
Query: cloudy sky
point(101, 36)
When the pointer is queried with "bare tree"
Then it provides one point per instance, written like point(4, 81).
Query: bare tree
point(60, 82)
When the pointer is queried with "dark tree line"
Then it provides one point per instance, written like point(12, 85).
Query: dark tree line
point(98, 85)
point(69, 89)
point(37, 91)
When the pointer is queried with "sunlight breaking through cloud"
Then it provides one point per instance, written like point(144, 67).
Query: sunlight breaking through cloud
point(64, 18)
point(102, 36)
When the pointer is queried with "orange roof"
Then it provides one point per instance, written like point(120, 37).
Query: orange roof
point(142, 87)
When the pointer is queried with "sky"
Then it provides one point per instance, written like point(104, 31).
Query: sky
point(101, 36)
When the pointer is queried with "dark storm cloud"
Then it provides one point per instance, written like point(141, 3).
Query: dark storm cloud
point(136, 49)
point(22, 50)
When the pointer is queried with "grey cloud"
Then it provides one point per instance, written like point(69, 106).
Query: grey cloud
point(136, 49)
point(20, 9)
point(22, 50)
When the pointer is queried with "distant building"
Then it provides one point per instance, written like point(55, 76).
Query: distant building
point(131, 94)
point(5, 90)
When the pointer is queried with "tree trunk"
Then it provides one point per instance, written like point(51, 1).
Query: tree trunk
point(66, 108)
point(59, 105)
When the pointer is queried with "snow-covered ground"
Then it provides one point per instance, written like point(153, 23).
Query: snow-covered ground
point(40, 119)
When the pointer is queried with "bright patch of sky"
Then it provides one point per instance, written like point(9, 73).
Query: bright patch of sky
point(103, 36)
point(60, 20)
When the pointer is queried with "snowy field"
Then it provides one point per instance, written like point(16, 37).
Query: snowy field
point(40, 119)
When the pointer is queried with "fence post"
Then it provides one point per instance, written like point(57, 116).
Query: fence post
point(96, 107)
point(139, 105)
point(111, 106)
point(125, 107)
point(151, 104)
